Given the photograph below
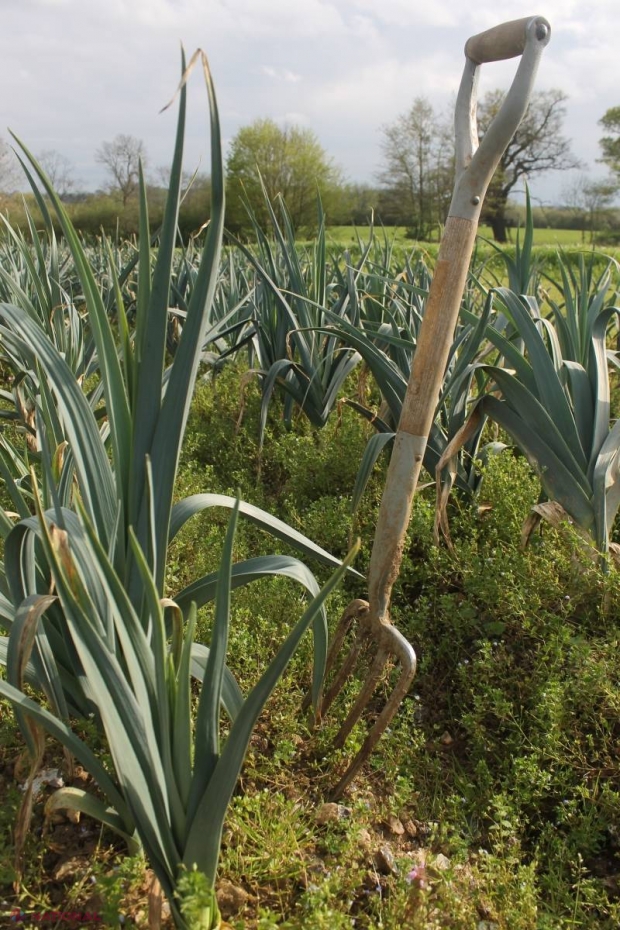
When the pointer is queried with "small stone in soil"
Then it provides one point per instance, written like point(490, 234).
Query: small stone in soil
point(70, 868)
point(384, 861)
point(332, 813)
point(395, 826)
point(230, 898)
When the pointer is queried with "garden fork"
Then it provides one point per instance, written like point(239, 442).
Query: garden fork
point(475, 165)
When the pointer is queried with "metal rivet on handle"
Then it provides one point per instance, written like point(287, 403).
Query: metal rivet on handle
point(475, 200)
point(541, 31)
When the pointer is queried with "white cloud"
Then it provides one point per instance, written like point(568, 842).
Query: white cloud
point(383, 89)
point(304, 19)
point(577, 17)
point(409, 13)
point(364, 28)
point(281, 74)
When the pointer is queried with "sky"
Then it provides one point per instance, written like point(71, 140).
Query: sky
point(78, 72)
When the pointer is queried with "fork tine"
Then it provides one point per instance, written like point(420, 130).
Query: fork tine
point(360, 642)
point(406, 656)
point(363, 698)
point(353, 611)
point(345, 670)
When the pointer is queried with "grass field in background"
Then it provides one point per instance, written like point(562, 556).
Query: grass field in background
point(347, 235)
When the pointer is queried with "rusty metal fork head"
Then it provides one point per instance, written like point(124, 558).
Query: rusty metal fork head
point(380, 638)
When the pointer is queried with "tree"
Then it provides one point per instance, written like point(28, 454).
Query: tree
point(195, 205)
point(59, 170)
point(538, 145)
point(591, 202)
point(291, 162)
point(418, 171)
point(610, 144)
point(121, 158)
point(353, 204)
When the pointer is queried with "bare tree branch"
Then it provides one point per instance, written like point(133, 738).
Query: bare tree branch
point(122, 158)
point(59, 170)
point(537, 146)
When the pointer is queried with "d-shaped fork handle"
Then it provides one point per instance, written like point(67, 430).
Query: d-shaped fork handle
point(508, 40)
point(475, 164)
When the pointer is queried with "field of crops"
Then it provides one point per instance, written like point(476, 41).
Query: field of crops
point(193, 438)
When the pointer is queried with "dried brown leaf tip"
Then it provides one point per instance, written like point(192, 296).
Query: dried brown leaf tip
point(60, 543)
point(59, 459)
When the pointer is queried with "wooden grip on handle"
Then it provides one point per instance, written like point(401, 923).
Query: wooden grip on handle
point(504, 41)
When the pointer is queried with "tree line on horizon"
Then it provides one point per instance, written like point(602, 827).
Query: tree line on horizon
point(413, 186)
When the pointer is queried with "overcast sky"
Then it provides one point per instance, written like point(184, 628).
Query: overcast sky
point(77, 72)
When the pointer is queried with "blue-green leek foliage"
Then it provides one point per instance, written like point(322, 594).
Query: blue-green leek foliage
point(554, 402)
point(173, 779)
point(83, 596)
point(293, 289)
point(99, 456)
point(388, 349)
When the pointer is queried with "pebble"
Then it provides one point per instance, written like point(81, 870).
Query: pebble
point(446, 739)
point(384, 861)
point(70, 868)
point(395, 826)
point(230, 898)
point(332, 813)
point(315, 871)
point(410, 828)
point(441, 862)
point(371, 884)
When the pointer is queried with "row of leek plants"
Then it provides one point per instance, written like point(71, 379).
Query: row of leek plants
point(292, 288)
point(84, 604)
point(316, 318)
point(543, 377)
point(551, 395)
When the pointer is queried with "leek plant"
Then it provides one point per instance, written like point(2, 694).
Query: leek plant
point(173, 780)
point(292, 291)
point(145, 405)
point(37, 275)
point(312, 329)
point(584, 292)
point(557, 409)
point(386, 294)
point(232, 304)
point(388, 350)
point(523, 268)
point(83, 594)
